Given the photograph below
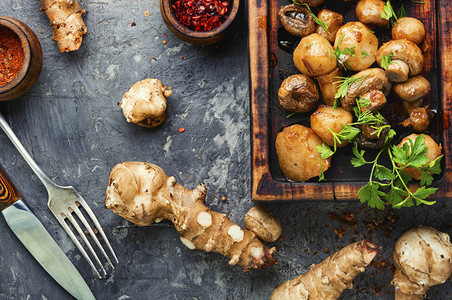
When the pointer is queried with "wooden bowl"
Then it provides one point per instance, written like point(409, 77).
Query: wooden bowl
point(197, 37)
point(32, 63)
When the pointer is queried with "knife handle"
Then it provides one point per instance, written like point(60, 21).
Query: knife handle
point(8, 193)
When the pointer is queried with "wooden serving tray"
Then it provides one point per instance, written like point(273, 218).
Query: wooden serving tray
point(270, 63)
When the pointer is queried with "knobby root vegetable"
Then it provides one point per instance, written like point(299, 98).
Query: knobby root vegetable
point(65, 17)
point(328, 279)
point(142, 193)
point(263, 223)
point(145, 103)
point(423, 257)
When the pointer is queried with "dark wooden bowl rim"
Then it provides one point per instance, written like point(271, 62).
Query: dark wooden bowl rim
point(199, 34)
point(27, 54)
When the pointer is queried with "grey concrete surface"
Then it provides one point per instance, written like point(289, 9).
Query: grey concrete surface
point(72, 126)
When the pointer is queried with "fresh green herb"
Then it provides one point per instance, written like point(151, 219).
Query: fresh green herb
point(308, 44)
point(321, 175)
point(416, 1)
point(364, 54)
point(286, 44)
point(317, 20)
point(389, 13)
point(345, 83)
point(342, 56)
point(386, 60)
point(391, 185)
point(401, 13)
point(290, 115)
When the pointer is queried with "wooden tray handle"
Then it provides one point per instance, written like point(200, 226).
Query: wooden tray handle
point(8, 193)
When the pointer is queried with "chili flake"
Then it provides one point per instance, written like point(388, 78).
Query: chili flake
point(182, 129)
point(201, 15)
point(11, 55)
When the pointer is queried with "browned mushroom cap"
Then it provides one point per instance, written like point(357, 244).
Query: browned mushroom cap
point(329, 85)
point(408, 107)
point(406, 59)
point(375, 99)
point(332, 20)
point(369, 12)
point(298, 93)
point(366, 81)
point(314, 56)
point(369, 137)
point(356, 36)
point(312, 3)
point(296, 20)
point(419, 119)
point(413, 89)
point(410, 29)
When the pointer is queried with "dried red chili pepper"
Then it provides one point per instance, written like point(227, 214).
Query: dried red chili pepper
point(201, 15)
point(11, 55)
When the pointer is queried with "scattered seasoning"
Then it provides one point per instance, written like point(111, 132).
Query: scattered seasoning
point(181, 57)
point(165, 34)
point(223, 199)
point(164, 42)
point(182, 129)
point(11, 55)
point(201, 15)
point(146, 13)
point(41, 32)
point(133, 24)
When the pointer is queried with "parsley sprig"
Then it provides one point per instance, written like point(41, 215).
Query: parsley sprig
point(386, 60)
point(316, 19)
point(392, 185)
point(390, 15)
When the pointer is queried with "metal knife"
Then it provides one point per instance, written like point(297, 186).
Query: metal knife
point(38, 241)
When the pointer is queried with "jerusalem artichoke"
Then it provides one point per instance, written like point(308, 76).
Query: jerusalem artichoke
point(145, 102)
point(142, 193)
point(423, 257)
point(263, 223)
point(328, 279)
point(65, 17)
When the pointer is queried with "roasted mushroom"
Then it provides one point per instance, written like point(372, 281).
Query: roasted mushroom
point(296, 20)
point(312, 3)
point(365, 82)
point(434, 151)
point(332, 20)
point(408, 107)
point(326, 120)
point(297, 154)
point(312, 56)
point(406, 59)
point(329, 85)
point(410, 29)
point(419, 119)
point(298, 93)
point(413, 89)
point(369, 12)
point(370, 138)
point(357, 38)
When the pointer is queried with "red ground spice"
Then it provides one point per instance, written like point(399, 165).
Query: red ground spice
point(201, 15)
point(11, 55)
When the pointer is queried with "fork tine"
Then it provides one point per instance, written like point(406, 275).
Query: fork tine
point(82, 235)
point(90, 230)
point(76, 241)
point(99, 228)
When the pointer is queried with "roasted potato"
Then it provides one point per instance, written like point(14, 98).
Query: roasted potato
point(326, 118)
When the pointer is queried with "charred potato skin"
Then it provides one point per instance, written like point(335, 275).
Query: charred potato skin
point(334, 21)
point(298, 93)
point(369, 12)
point(298, 158)
point(312, 57)
point(326, 118)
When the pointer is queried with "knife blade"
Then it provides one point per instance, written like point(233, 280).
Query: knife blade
point(27, 227)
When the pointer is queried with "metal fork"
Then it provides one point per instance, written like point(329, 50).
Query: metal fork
point(64, 201)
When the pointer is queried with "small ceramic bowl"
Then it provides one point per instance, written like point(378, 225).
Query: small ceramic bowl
point(197, 37)
point(32, 63)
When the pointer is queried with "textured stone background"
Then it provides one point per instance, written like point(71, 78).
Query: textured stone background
point(72, 126)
